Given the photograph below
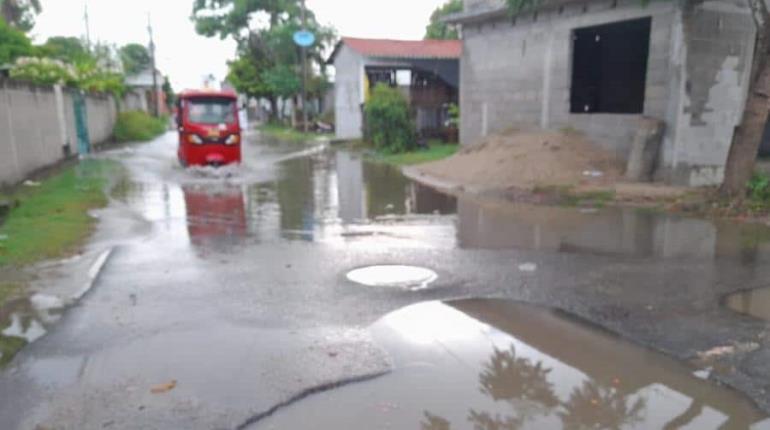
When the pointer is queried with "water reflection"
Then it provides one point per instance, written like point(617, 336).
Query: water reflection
point(519, 381)
point(216, 216)
point(611, 231)
point(595, 406)
point(499, 365)
point(23, 321)
point(334, 196)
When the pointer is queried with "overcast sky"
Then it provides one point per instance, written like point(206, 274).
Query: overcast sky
point(187, 57)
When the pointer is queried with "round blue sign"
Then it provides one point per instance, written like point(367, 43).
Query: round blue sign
point(304, 38)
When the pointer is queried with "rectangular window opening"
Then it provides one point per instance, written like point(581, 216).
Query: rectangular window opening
point(609, 67)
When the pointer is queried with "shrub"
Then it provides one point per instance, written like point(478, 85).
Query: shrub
point(137, 126)
point(44, 71)
point(389, 125)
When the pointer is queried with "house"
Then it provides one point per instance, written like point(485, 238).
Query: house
point(598, 66)
point(427, 71)
point(140, 92)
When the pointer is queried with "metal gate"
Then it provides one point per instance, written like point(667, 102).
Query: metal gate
point(81, 123)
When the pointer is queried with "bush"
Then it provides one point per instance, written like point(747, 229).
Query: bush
point(137, 126)
point(44, 71)
point(389, 125)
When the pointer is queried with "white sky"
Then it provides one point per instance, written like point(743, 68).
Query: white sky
point(187, 57)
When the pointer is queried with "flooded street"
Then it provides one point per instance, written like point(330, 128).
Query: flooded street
point(275, 293)
point(494, 364)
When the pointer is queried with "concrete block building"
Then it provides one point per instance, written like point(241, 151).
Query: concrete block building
point(427, 71)
point(599, 65)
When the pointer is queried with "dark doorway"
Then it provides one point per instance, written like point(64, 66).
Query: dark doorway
point(609, 67)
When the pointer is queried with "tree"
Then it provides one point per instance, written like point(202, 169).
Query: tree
point(389, 124)
point(168, 91)
point(263, 30)
point(135, 58)
point(748, 135)
point(437, 29)
point(68, 49)
point(244, 75)
point(20, 14)
point(13, 44)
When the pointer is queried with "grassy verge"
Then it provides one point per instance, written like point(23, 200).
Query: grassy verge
point(8, 291)
point(436, 151)
point(51, 220)
point(136, 126)
point(286, 133)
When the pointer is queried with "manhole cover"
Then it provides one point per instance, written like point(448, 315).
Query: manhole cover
point(410, 277)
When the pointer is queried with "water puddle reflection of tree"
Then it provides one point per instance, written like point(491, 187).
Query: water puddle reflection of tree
point(524, 385)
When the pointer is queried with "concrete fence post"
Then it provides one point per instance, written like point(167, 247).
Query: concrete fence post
point(61, 116)
point(14, 158)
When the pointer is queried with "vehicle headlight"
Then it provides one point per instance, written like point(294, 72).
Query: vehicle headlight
point(195, 139)
point(233, 139)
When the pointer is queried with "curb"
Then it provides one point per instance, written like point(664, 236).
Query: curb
point(440, 185)
point(93, 274)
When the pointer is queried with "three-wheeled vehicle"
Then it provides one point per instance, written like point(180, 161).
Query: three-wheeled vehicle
point(209, 130)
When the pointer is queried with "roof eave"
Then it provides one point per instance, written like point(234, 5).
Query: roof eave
point(485, 14)
point(474, 16)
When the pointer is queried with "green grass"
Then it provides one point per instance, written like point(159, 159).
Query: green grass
point(9, 346)
point(8, 291)
point(136, 126)
point(51, 220)
point(436, 151)
point(283, 132)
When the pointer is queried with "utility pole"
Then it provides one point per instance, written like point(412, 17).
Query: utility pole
point(155, 96)
point(88, 27)
point(304, 72)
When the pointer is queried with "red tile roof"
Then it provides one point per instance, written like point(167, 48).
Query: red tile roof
point(414, 49)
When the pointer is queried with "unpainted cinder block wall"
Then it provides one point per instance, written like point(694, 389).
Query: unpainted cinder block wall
point(712, 69)
point(517, 71)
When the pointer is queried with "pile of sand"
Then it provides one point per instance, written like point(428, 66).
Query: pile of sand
point(529, 159)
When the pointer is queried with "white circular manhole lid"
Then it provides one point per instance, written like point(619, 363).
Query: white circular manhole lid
point(393, 276)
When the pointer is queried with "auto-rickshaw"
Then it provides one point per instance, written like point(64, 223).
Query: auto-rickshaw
point(209, 130)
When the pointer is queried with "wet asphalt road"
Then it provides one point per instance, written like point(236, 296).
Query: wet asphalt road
point(225, 292)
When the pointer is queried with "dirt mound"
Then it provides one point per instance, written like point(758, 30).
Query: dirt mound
point(529, 159)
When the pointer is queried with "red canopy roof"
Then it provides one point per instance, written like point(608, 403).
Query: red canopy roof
point(414, 49)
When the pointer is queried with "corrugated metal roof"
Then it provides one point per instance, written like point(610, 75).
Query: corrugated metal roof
point(414, 49)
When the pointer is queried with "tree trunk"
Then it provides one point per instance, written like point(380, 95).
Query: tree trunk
point(748, 135)
point(273, 109)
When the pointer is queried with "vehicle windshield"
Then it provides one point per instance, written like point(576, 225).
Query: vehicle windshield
point(211, 111)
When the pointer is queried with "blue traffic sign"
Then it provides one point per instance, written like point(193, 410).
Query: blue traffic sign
point(304, 38)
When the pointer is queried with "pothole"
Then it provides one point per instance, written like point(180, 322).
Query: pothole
point(396, 276)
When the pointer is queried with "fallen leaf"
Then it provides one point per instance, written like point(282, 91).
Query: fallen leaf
point(163, 388)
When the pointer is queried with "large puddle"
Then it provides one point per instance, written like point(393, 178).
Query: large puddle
point(326, 195)
point(497, 365)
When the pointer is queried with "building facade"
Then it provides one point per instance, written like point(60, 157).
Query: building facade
point(598, 66)
point(427, 72)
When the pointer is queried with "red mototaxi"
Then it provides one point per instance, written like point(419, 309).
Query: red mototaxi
point(209, 130)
